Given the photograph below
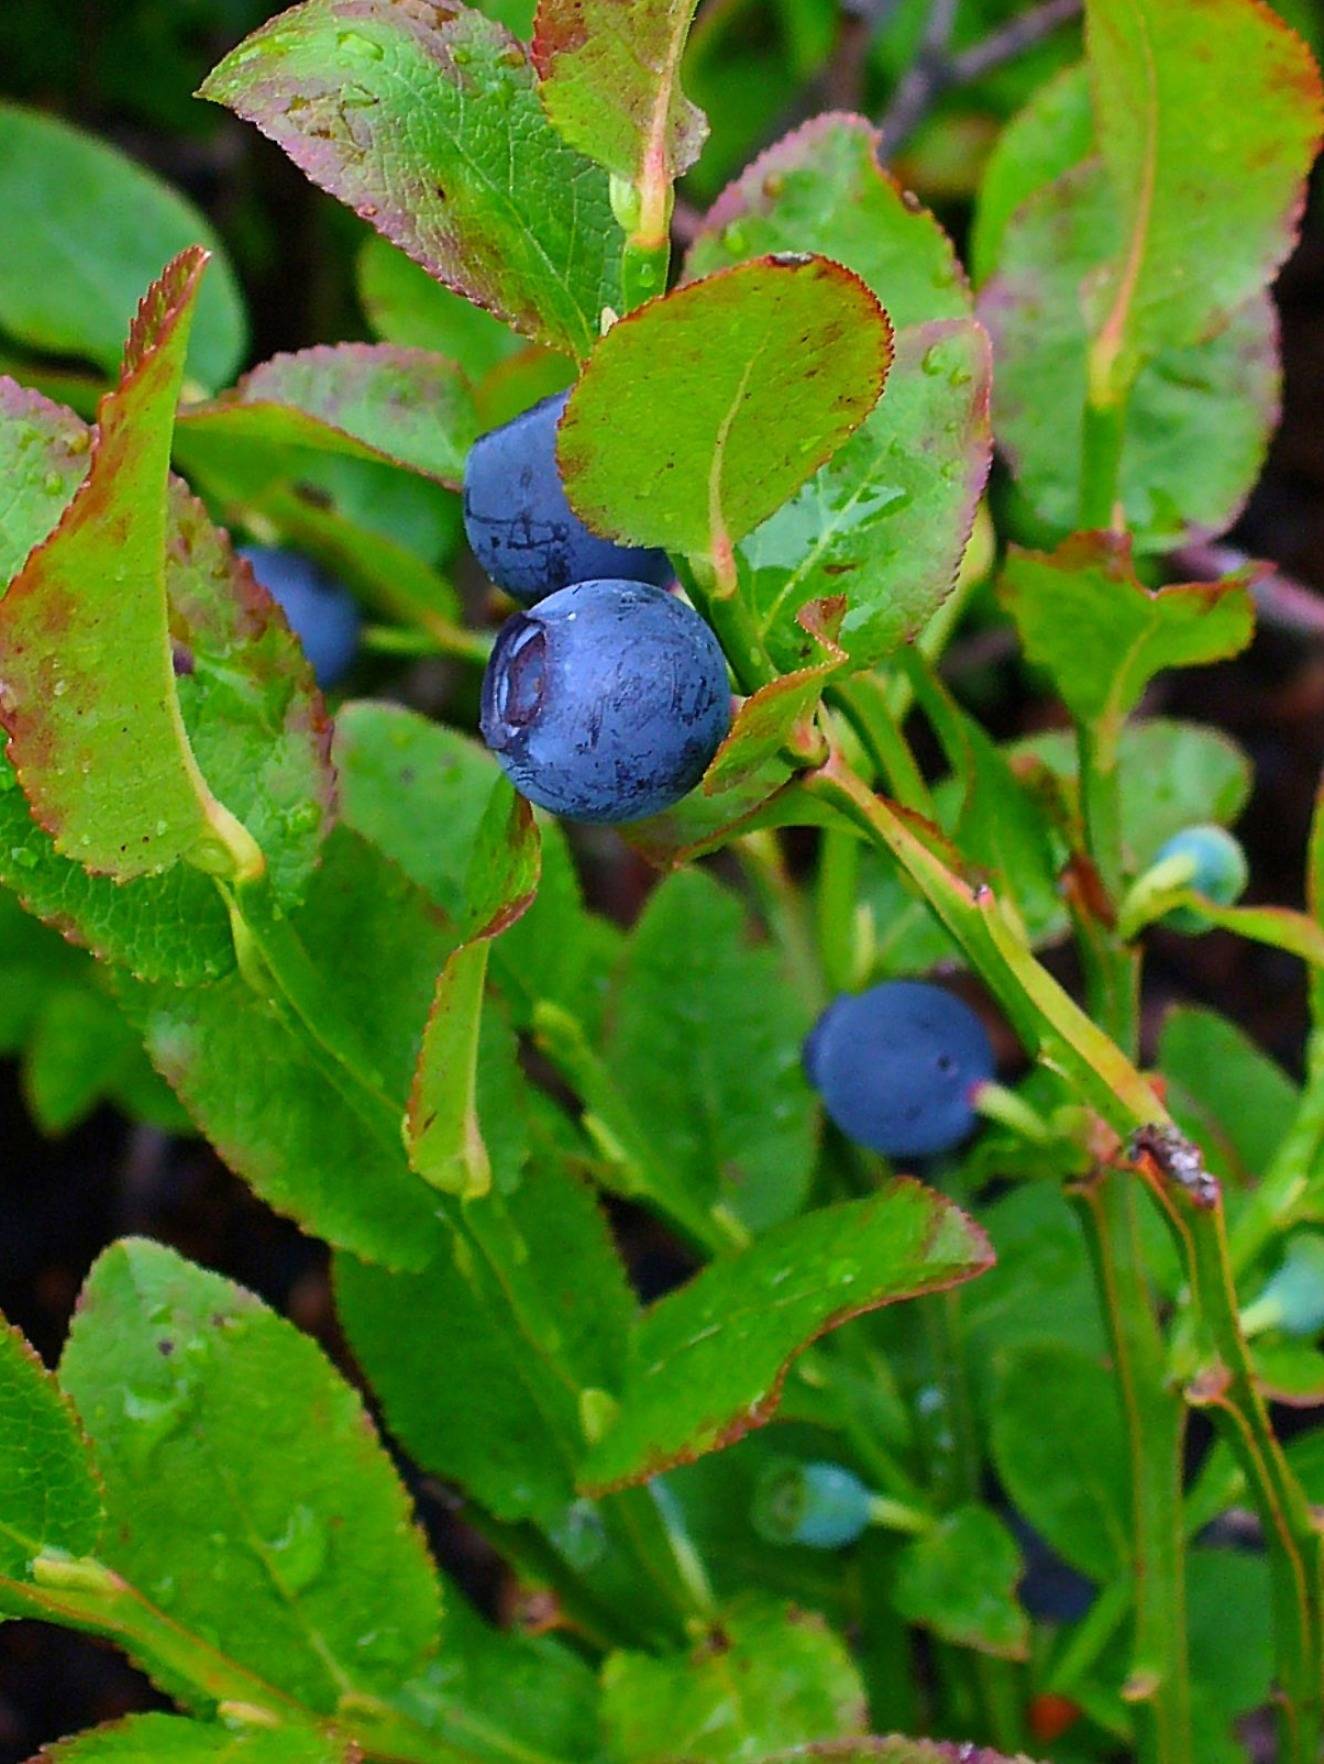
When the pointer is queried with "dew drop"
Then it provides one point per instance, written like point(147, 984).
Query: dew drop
point(358, 47)
point(24, 857)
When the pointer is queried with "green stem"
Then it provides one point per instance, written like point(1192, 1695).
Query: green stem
point(835, 907)
point(1101, 804)
point(783, 907)
point(1102, 438)
point(1154, 1419)
point(864, 702)
point(716, 583)
point(1226, 1386)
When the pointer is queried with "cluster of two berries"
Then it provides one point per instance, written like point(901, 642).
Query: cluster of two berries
point(607, 699)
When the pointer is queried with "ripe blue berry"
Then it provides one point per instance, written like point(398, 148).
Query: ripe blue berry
point(321, 611)
point(521, 528)
point(896, 1067)
point(606, 701)
point(1218, 870)
point(823, 1505)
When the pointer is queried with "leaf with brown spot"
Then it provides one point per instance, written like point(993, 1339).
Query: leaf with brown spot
point(610, 81)
point(427, 122)
point(708, 1361)
point(88, 698)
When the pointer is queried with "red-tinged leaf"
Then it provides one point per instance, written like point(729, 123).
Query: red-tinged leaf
point(424, 117)
point(610, 81)
point(408, 407)
point(823, 188)
point(707, 1362)
point(1208, 115)
point(767, 797)
point(781, 715)
point(1083, 601)
point(702, 411)
point(253, 716)
point(443, 1135)
point(88, 697)
point(1198, 416)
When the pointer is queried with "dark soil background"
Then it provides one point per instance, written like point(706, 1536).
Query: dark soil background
point(125, 71)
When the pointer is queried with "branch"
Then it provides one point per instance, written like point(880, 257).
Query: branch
point(935, 70)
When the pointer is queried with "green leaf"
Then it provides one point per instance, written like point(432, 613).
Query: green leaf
point(1231, 1661)
point(1083, 602)
point(822, 188)
point(248, 704)
point(1040, 1289)
point(247, 1493)
point(765, 1676)
point(1233, 1100)
point(89, 687)
point(379, 401)
point(86, 229)
point(497, 1423)
point(1171, 775)
point(169, 1739)
point(430, 126)
point(499, 1696)
point(707, 1362)
point(1208, 213)
point(1070, 1480)
point(1290, 1372)
point(1053, 133)
point(405, 305)
point(959, 1580)
point(887, 521)
point(49, 1498)
point(610, 81)
point(705, 1047)
point(402, 777)
point(287, 1109)
point(1199, 415)
point(443, 1134)
point(701, 412)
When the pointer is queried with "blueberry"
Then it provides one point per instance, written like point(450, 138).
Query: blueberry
point(822, 1505)
point(521, 528)
point(1218, 871)
point(896, 1067)
point(606, 701)
point(321, 611)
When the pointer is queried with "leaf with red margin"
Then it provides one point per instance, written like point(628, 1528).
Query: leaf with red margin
point(1198, 418)
point(88, 698)
point(409, 407)
point(769, 796)
point(780, 715)
point(443, 1136)
point(707, 1362)
point(1084, 601)
point(253, 715)
point(610, 81)
point(822, 188)
point(423, 116)
point(702, 411)
point(1208, 115)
